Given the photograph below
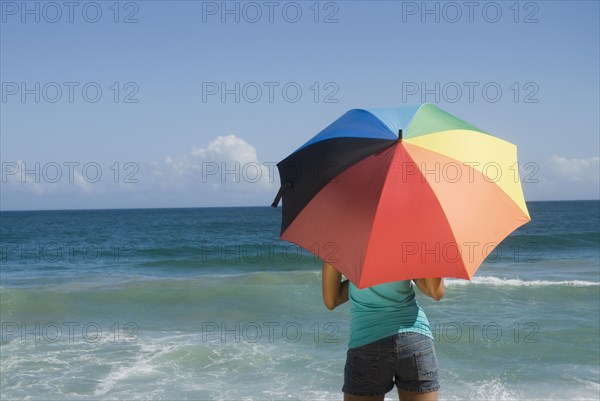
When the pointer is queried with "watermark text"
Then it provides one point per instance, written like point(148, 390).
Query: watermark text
point(53, 12)
point(53, 332)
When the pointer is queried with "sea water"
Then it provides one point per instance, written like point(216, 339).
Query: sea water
point(208, 304)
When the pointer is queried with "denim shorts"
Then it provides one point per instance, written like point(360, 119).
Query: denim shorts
point(407, 360)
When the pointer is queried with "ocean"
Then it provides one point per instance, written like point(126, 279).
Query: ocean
point(208, 304)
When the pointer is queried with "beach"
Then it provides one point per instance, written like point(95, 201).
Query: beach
point(208, 304)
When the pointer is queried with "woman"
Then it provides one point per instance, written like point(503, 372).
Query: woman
point(390, 338)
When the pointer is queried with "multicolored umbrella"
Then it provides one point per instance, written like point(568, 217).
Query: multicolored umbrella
point(395, 194)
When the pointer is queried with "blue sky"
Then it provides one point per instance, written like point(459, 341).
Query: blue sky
point(191, 103)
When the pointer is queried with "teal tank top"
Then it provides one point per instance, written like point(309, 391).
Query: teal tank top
point(384, 310)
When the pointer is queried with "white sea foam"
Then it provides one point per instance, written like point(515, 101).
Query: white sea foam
point(501, 389)
point(503, 282)
point(177, 365)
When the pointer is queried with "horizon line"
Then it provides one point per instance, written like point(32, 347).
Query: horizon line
point(223, 207)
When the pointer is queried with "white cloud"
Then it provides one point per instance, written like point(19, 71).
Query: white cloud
point(562, 178)
point(45, 179)
point(226, 164)
point(30, 177)
point(227, 148)
point(83, 184)
point(226, 171)
point(576, 170)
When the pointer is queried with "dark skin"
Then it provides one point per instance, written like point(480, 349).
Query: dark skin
point(335, 293)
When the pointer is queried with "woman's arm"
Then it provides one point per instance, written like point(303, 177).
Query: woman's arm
point(335, 291)
point(433, 287)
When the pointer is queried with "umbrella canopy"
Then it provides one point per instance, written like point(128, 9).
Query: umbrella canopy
point(395, 194)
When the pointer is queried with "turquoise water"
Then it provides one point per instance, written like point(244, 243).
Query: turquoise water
point(204, 304)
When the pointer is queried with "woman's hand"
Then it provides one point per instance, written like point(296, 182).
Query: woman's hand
point(335, 291)
point(433, 287)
